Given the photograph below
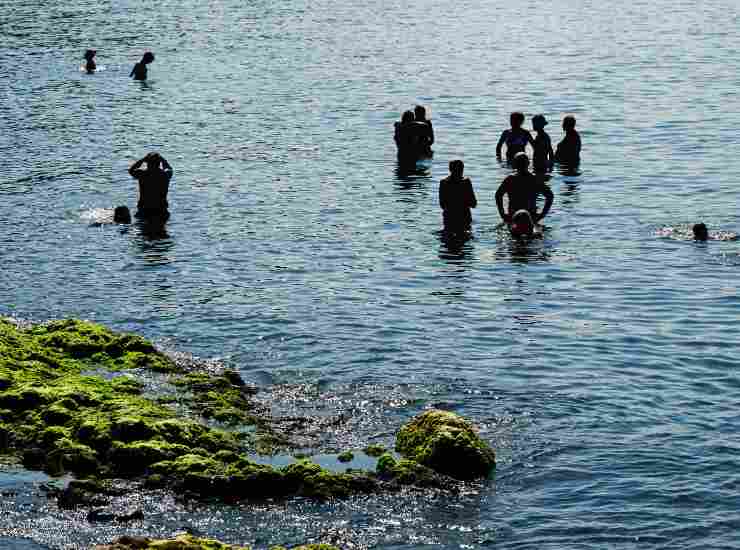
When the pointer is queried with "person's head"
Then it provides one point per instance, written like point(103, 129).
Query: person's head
point(89, 54)
point(521, 223)
point(520, 162)
point(700, 232)
point(121, 215)
point(569, 123)
point(457, 167)
point(539, 122)
point(147, 58)
point(516, 119)
point(407, 116)
point(153, 160)
point(420, 113)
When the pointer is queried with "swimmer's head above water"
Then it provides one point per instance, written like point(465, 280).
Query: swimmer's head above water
point(700, 232)
point(420, 113)
point(521, 223)
point(147, 58)
point(121, 215)
point(569, 123)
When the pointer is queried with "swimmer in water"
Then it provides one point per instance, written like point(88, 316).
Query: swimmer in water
point(139, 71)
point(121, 214)
point(569, 150)
point(90, 61)
point(515, 138)
point(154, 183)
point(456, 198)
point(700, 232)
point(543, 156)
point(522, 189)
point(420, 115)
point(412, 137)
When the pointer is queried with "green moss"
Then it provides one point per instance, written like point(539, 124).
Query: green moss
point(374, 450)
point(446, 443)
point(181, 542)
point(346, 456)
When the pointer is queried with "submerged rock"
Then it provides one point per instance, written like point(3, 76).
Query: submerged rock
point(447, 443)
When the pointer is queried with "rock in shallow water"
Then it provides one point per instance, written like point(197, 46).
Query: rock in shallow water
point(189, 542)
point(447, 443)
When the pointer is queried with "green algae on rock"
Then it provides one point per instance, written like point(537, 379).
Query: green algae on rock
point(189, 542)
point(447, 443)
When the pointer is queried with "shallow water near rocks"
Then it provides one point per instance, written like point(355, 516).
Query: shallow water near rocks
point(600, 361)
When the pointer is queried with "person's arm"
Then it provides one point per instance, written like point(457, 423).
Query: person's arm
point(135, 166)
point(431, 132)
point(530, 139)
point(166, 166)
point(578, 144)
point(133, 71)
point(502, 190)
point(472, 201)
point(547, 192)
point(501, 141)
point(396, 132)
point(443, 194)
point(550, 153)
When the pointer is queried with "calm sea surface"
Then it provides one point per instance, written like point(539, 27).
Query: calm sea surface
point(601, 361)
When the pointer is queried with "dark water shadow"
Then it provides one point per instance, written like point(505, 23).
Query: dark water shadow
point(412, 173)
point(522, 250)
point(456, 248)
point(153, 241)
point(570, 181)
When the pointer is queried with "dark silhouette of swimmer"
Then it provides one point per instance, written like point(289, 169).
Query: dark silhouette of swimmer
point(456, 198)
point(154, 183)
point(420, 115)
point(543, 155)
point(701, 233)
point(412, 137)
point(90, 61)
point(522, 189)
point(139, 71)
point(569, 150)
point(515, 138)
point(121, 214)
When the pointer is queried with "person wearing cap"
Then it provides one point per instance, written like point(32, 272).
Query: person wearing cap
point(154, 184)
point(515, 138)
point(543, 155)
point(456, 198)
point(522, 190)
point(139, 71)
point(90, 61)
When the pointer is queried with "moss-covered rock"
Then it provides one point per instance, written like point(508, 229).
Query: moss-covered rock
point(346, 456)
point(181, 542)
point(374, 450)
point(447, 443)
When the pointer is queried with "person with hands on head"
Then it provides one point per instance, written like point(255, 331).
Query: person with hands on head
point(154, 184)
point(522, 189)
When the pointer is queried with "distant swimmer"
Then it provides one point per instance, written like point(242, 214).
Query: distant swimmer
point(522, 190)
point(543, 156)
point(420, 115)
point(701, 233)
point(90, 61)
point(122, 215)
point(456, 198)
point(413, 137)
point(569, 150)
point(154, 183)
point(515, 138)
point(139, 71)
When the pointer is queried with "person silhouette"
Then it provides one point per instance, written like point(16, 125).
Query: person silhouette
point(456, 198)
point(139, 71)
point(90, 61)
point(154, 185)
point(522, 189)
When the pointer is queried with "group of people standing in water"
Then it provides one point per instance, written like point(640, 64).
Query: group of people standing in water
point(414, 137)
point(152, 172)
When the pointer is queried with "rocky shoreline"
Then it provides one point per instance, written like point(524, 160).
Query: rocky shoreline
point(77, 398)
